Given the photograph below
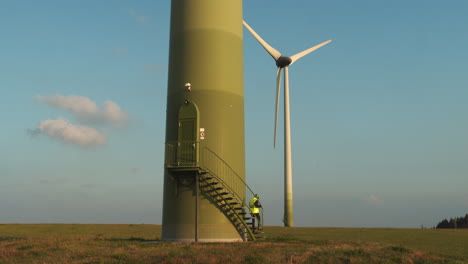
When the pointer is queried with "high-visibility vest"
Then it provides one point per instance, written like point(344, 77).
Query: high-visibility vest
point(253, 209)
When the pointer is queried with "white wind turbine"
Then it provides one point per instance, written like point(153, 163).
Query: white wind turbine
point(283, 62)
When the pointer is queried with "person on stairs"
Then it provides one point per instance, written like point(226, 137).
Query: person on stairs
point(255, 212)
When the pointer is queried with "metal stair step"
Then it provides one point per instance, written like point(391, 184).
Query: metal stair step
point(215, 193)
point(207, 188)
point(205, 184)
point(226, 206)
point(223, 197)
point(212, 183)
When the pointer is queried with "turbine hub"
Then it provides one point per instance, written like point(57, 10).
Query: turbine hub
point(282, 62)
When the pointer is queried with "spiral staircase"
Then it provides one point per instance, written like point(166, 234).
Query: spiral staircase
point(217, 182)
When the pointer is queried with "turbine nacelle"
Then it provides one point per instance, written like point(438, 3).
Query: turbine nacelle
point(283, 61)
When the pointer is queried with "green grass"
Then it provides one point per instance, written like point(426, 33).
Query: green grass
point(443, 242)
point(58, 243)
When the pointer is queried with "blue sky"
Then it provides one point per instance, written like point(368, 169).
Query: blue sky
point(379, 116)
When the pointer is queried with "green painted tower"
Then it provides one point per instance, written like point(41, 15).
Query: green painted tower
point(205, 193)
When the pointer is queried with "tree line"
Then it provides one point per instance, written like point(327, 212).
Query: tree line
point(457, 222)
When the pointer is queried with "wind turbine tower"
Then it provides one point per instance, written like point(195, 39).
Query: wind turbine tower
point(204, 169)
point(283, 63)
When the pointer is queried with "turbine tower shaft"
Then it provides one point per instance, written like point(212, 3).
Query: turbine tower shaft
point(288, 193)
point(204, 122)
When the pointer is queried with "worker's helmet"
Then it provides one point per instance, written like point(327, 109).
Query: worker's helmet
point(256, 195)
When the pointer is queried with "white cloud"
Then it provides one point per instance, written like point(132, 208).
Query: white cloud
point(138, 17)
point(373, 200)
point(136, 170)
point(90, 185)
point(156, 67)
point(152, 67)
point(112, 113)
point(54, 181)
point(83, 107)
point(60, 129)
point(87, 110)
point(118, 51)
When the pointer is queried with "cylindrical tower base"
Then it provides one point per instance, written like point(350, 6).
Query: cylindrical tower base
point(205, 114)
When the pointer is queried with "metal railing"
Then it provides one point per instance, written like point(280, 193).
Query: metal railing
point(229, 204)
point(182, 154)
point(216, 166)
point(186, 154)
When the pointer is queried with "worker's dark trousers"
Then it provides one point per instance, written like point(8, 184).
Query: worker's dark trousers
point(256, 216)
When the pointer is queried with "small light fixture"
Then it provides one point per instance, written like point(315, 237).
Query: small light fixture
point(186, 102)
point(188, 86)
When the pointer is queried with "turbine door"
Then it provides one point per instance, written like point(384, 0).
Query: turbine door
point(187, 145)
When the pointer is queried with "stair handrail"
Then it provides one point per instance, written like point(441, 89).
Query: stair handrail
point(236, 197)
point(243, 184)
point(230, 206)
point(218, 168)
point(227, 165)
point(181, 153)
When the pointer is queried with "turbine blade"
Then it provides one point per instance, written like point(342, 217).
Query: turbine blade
point(278, 91)
point(273, 52)
point(307, 51)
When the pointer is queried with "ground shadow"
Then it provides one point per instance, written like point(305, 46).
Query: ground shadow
point(132, 239)
point(11, 238)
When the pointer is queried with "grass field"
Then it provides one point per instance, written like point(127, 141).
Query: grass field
point(68, 243)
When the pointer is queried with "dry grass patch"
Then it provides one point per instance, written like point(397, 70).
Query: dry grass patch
point(133, 244)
